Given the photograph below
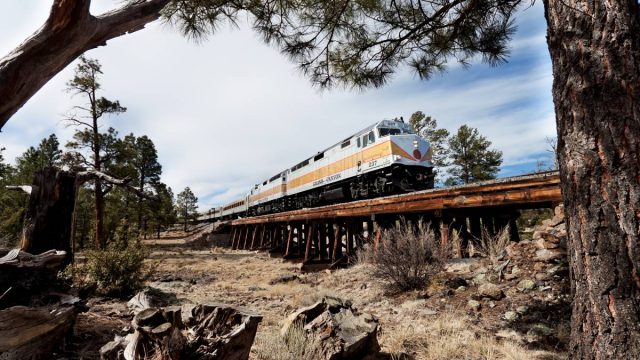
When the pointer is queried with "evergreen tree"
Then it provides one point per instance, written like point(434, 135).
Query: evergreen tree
point(163, 209)
point(471, 158)
point(47, 154)
point(90, 147)
point(187, 206)
point(427, 127)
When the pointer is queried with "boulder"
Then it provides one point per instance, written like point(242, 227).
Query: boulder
point(526, 285)
point(549, 255)
point(461, 266)
point(337, 332)
point(491, 291)
point(510, 316)
point(539, 333)
point(151, 297)
point(474, 305)
point(455, 282)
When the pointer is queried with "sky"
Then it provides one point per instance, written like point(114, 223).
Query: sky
point(229, 112)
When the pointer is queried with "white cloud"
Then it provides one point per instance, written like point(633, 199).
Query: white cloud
point(230, 112)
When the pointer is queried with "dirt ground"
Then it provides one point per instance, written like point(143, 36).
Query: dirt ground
point(434, 323)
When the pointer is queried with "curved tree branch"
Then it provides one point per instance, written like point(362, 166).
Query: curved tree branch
point(69, 31)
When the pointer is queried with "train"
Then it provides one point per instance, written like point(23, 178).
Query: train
point(385, 158)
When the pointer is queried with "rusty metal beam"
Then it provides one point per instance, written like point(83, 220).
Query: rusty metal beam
point(515, 191)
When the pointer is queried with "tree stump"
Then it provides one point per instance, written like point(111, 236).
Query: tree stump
point(49, 215)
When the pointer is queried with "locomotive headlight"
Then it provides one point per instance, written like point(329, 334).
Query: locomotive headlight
point(415, 144)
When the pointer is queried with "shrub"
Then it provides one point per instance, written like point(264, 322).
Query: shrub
point(493, 247)
point(118, 270)
point(408, 256)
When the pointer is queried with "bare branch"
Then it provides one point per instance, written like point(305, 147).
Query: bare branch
point(84, 176)
point(26, 188)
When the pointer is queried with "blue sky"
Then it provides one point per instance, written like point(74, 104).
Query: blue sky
point(232, 111)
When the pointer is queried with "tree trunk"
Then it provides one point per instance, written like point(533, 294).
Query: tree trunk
point(99, 230)
point(69, 31)
point(48, 219)
point(595, 51)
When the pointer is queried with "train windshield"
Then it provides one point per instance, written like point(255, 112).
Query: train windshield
point(389, 131)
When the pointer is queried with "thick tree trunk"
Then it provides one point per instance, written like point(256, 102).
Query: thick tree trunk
point(48, 219)
point(595, 50)
point(69, 31)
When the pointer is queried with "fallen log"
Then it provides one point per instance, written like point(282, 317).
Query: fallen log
point(29, 276)
point(34, 333)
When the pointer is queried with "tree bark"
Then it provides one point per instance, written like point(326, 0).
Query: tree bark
point(69, 31)
point(48, 219)
point(595, 51)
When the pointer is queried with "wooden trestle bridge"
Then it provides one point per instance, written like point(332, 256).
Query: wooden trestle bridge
point(331, 234)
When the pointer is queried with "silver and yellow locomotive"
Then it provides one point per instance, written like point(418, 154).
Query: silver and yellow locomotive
point(384, 158)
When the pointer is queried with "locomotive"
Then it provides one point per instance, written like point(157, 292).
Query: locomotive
point(385, 158)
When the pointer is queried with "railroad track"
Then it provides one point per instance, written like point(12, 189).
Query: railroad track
point(331, 233)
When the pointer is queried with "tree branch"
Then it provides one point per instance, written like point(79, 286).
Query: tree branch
point(84, 176)
point(26, 188)
point(69, 31)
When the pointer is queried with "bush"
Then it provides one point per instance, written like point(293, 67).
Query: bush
point(408, 256)
point(493, 247)
point(118, 270)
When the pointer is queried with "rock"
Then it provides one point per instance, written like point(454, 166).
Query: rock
point(548, 255)
point(510, 316)
point(455, 282)
point(539, 333)
point(474, 305)
point(461, 289)
point(559, 211)
point(306, 314)
point(282, 279)
point(490, 291)
point(509, 335)
point(337, 332)
point(256, 288)
point(151, 297)
point(543, 277)
point(526, 285)
point(522, 309)
point(509, 277)
point(544, 244)
point(461, 266)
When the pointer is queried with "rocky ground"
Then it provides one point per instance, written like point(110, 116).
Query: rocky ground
point(514, 307)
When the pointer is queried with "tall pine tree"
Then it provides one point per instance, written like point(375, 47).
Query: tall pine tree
point(187, 206)
point(471, 158)
point(91, 147)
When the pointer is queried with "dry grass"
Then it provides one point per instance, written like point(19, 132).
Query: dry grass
point(450, 336)
point(493, 246)
point(293, 346)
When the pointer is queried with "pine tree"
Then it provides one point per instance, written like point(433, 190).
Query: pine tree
point(427, 127)
point(471, 158)
point(47, 154)
point(90, 147)
point(187, 206)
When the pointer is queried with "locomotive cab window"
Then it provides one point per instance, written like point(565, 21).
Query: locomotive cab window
point(365, 140)
point(388, 131)
point(359, 142)
point(345, 144)
point(372, 137)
